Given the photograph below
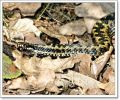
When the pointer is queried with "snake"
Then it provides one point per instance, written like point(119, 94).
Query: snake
point(101, 34)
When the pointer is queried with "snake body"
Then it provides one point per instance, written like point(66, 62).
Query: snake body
point(101, 36)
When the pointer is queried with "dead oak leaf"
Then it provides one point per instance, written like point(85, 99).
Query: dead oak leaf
point(24, 63)
point(80, 79)
point(95, 91)
point(43, 80)
point(108, 87)
point(91, 12)
point(87, 83)
point(54, 33)
point(27, 9)
point(21, 26)
point(109, 75)
point(32, 65)
point(100, 62)
point(85, 64)
point(73, 28)
point(18, 83)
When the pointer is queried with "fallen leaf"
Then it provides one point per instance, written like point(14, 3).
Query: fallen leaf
point(50, 31)
point(95, 91)
point(45, 79)
point(74, 92)
point(100, 62)
point(87, 83)
point(108, 75)
point(21, 27)
point(32, 65)
point(27, 9)
point(80, 80)
point(93, 10)
point(58, 65)
point(51, 87)
point(31, 38)
point(108, 87)
point(23, 91)
point(82, 90)
point(89, 24)
point(89, 9)
point(19, 83)
point(62, 84)
point(10, 71)
point(26, 65)
point(76, 27)
point(85, 65)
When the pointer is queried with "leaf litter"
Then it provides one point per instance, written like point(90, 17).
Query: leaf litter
point(57, 75)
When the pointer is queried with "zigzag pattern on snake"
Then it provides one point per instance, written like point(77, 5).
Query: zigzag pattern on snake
point(101, 36)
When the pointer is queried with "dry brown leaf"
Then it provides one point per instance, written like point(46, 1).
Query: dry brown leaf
point(31, 38)
point(21, 34)
point(21, 27)
point(46, 77)
point(82, 90)
point(89, 24)
point(19, 83)
point(5, 32)
point(77, 28)
point(87, 82)
point(53, 31)
point(108, 87)
point(50, 31)
point(72, 39)
point(24, 63)
point(108, 75)
point(23, 91)
point(85, 65)
point(51, 87)
point(74, 92)
point(32, 65)
point(43, 80)
point(27, 9)
point(90, 10)
point(80, 79)
point(58, 65)
point(62, 83)
point(100, 62)
point(93, 10)
point(95, 91)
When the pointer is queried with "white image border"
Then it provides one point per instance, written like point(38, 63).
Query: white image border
point(67, 1)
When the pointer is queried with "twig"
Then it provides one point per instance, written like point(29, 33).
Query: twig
point(39, 17)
